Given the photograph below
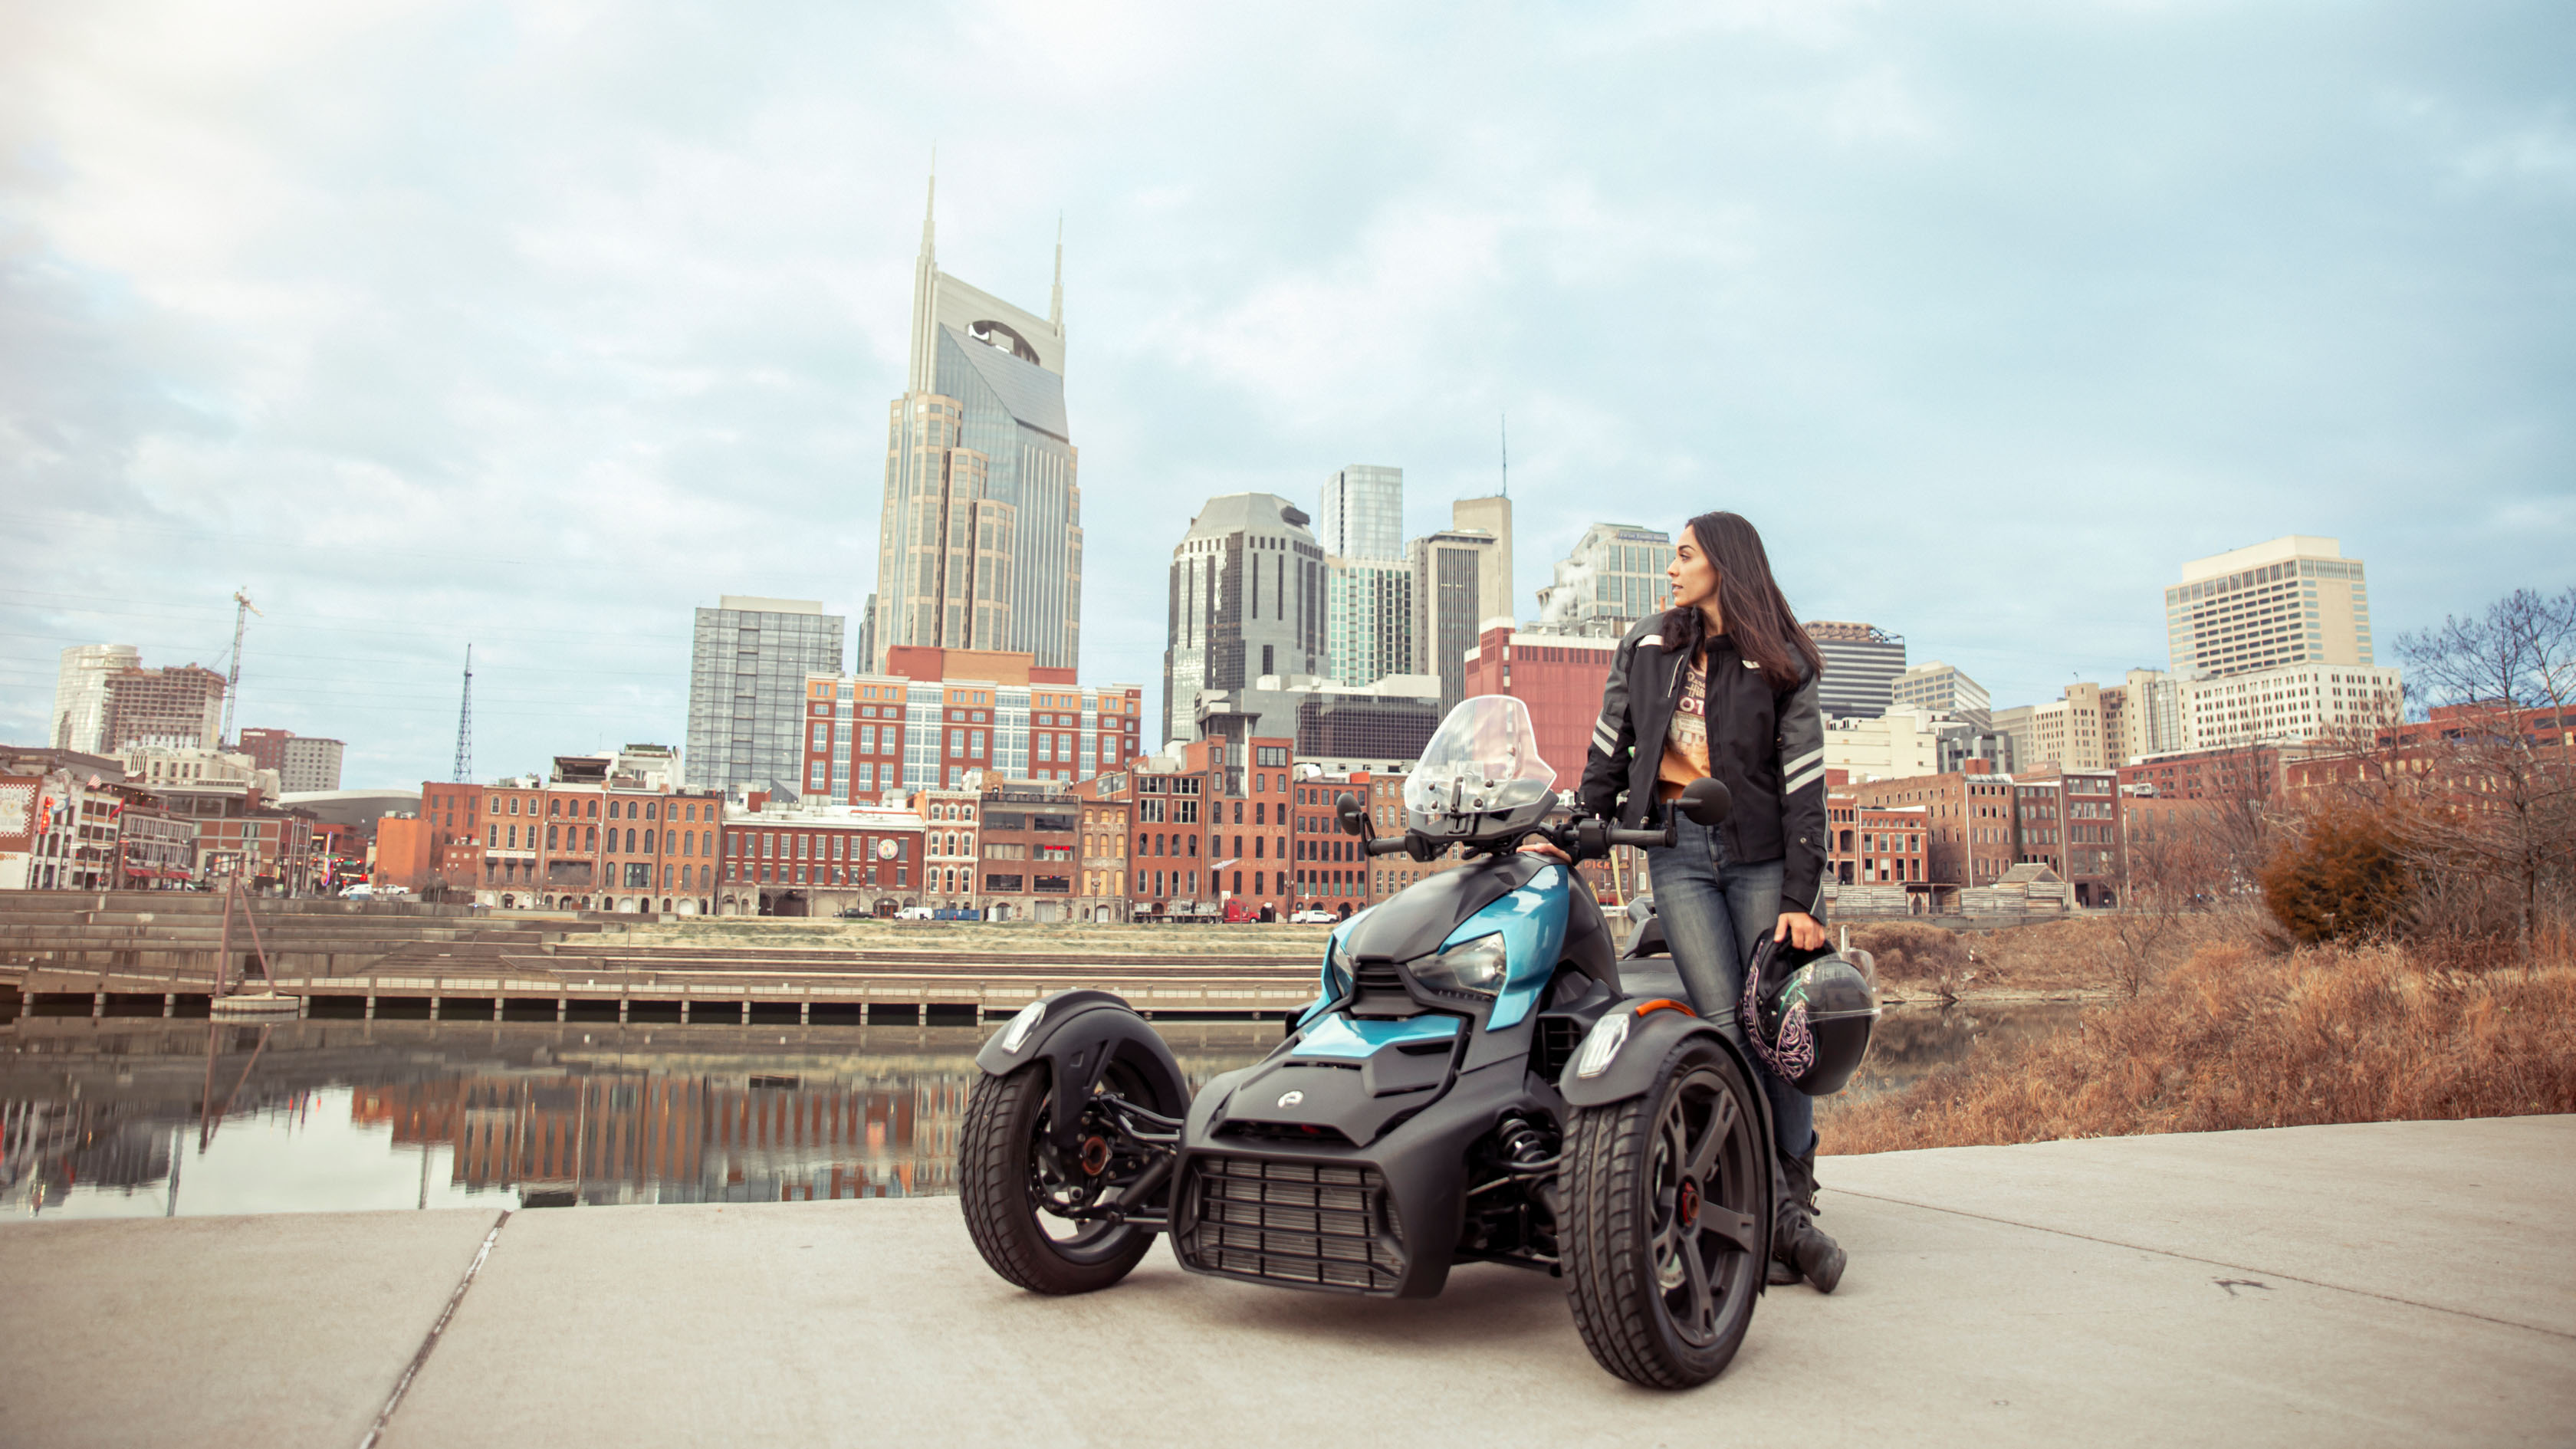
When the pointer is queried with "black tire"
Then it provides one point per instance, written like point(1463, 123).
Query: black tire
point(1634, 1233)
point(1002, 1168)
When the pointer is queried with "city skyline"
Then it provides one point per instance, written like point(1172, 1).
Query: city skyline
point(555, 418)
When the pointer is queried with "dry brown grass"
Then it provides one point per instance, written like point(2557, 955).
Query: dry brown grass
point(2241, 1036)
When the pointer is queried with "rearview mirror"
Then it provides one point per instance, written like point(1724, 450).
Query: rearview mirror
point(1354, 816)
point(1705, 801)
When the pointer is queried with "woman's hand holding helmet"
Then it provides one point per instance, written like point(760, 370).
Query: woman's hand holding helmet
point(1797, 928)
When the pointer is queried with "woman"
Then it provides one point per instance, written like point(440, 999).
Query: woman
point(1724, 684)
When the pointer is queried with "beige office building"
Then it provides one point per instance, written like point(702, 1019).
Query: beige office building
point(2294, 600)
point(1494, 579)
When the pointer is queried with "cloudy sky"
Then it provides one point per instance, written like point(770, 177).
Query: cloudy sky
point(539, 324)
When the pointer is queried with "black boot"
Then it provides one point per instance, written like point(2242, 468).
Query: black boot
point(1800, 1249)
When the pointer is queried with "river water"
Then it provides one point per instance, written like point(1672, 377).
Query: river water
point(151, 1118)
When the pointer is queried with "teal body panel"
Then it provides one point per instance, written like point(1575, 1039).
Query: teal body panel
point(1325, 987)
point(1532, 922)
point(1350, 1039)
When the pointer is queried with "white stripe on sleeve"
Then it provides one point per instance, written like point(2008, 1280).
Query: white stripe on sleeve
point(1803, 781)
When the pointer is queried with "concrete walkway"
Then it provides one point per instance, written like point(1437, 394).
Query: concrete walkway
point(2402, 1283)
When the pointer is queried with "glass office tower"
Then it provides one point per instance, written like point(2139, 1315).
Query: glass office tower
point(980, 540)
point(747, 673)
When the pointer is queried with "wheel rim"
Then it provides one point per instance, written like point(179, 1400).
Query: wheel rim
point(1095, 1174)
point(1704, 1235)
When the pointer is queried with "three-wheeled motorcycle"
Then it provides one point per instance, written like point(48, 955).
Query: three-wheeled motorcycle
point(1480, 1079)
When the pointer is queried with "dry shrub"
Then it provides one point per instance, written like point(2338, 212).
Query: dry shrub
point(1924, 957)
point(2240, 1037)
point(2338, 878)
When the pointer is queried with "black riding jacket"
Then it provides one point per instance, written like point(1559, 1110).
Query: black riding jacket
point(1766, 746)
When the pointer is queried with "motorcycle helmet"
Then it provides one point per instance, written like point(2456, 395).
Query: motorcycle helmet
point(1808, 1015)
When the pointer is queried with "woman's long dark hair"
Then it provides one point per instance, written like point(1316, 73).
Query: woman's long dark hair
point(1758, 618)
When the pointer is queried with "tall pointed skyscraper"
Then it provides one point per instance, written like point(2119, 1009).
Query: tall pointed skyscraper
point(980, 543)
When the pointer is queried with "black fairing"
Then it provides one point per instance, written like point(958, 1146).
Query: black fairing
point(1589, 946)
point(1419, 1190)
point(1418, 919)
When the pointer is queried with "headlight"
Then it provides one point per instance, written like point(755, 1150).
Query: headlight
point(1337, 971)
point(1016, 1035)
point(1472, 968)
point(1603, 1042)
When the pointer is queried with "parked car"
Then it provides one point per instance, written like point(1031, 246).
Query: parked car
point(916, 913)
point(1313, 918)
point(359, 892)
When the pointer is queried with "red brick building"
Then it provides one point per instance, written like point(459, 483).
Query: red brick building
point(272, 849)
point(2069, 821)
point(795, 860)
point(592, 839)
point(1206, 829)
point(938, 716)
point(1878, 844)
point(2250, 772)
point(1968, 822)
point(1331, 874)
point(1031, 854)
point(1559, 677)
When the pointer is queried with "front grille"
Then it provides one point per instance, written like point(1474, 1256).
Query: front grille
point(1306, 1132)
point(1377, 989)
point(1315, 1225)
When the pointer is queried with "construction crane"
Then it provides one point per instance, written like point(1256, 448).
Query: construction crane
point(243, 608)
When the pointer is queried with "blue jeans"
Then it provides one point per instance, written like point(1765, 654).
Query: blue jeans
point(1714, 912)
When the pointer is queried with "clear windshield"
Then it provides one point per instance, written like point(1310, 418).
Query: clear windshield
point(1483, 758)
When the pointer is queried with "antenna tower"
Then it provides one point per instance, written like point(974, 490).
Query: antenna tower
point(243, 608)
point(465, 724)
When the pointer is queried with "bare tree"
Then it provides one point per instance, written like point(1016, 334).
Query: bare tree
point(2500, 802)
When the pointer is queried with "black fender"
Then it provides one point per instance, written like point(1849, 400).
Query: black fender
point(1078, 1034)
point(1655, 1029)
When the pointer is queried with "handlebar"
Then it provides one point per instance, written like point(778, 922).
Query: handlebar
point(1585, 839)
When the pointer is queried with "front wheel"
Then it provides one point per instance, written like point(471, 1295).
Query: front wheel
point(1033, 1214)
point(1667, 1198)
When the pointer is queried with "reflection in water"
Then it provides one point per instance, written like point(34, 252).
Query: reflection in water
point(95, 1115)
point(146, 1118)
point(1911, 1041)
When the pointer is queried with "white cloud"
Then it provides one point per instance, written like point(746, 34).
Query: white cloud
point(540, 325)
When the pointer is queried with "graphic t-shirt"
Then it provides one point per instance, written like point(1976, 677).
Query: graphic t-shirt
point(1686, 743)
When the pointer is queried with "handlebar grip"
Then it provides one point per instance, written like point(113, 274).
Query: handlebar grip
point(1383, 845)
point(1643, 838)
